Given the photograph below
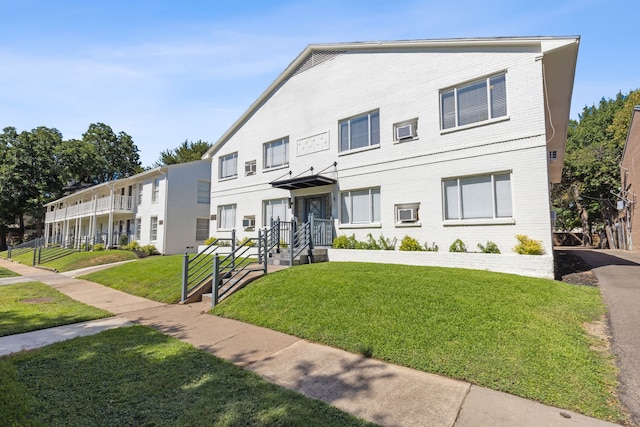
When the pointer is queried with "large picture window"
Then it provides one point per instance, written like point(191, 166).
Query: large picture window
point(476, 197)
point(359, 132)
point(276, 153)
point(474, 102)
point(226, 217)
point(360, 206)
point(228, 166)
point(274, 209)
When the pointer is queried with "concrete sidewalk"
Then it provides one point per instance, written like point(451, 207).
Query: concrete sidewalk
point(383, 393)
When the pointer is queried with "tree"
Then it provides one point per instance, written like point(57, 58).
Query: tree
point(116, 155)
point(586, 197)
point(188, 151)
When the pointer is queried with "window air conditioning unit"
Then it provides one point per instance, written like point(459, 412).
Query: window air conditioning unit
point(407, 215)
point(248, 223)
point(404, 132)
point(250, 168)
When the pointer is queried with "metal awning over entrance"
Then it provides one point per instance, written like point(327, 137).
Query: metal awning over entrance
point(303, 182)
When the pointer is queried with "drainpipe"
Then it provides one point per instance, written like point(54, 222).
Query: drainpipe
point(110, 227)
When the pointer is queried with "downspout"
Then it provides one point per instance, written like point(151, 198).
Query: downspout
point(164, 219)
point(110, 227)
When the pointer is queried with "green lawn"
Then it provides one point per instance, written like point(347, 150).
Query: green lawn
point(136, 376)
point(520, 335)
point(79, 260)
point(7, 273)
point(30, 306)
point(158, 278)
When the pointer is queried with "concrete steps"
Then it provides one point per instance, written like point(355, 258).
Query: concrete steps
point(283, 257)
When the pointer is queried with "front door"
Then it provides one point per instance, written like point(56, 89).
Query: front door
point(317, 205)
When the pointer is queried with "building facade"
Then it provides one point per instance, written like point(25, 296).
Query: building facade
point(437, 139)
point(629, 223)
point(167, 207)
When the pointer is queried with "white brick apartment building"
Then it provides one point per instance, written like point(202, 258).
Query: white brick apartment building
point(435, 139)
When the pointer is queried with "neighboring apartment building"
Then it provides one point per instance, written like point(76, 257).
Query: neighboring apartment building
point(630, 186)
point(435, 139)
point(167, 207)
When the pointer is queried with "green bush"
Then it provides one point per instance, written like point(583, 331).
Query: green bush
point(98, 247)
point(212, 239)
point(458, 246)
point(387, 244)
point(149, 250)
point(133, 246)
point(410, 244)
point(124, 240)
point(490, 248)
point(247, 242)
point(432, 248)
point(528, 246)
point(344, 242)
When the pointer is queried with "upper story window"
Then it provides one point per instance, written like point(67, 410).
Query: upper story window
point(156, 190)
point(276, 153)
point(140, 187)
point(204, 192)
point(474, 102)
point(228, 167)
point(476, 197)
point(359, 132)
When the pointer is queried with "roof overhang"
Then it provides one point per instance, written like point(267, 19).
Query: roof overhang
point(303, 182)
point(559, 58)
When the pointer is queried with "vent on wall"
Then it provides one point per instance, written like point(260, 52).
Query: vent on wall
point(553, 155)
point(315, 58)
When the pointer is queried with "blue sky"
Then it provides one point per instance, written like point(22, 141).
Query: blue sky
point(165, 71)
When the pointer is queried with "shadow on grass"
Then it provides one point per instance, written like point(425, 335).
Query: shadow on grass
point(136, 376)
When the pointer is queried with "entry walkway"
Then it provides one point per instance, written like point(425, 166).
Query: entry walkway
point(386, 394)
point(618, 274)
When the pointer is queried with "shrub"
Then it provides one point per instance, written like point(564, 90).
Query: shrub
point(490, 248)
point(209, 241)
point(212, 239)
point(528, 246)
point(458, 246)
point(247, 242)
point(149, 250)
point(133, 246)
point(432, 248)
point(124, 240)
point(387, 244)
point(98, 247)
point(344, 242)
point(409, 244)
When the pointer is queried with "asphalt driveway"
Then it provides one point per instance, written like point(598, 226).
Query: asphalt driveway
point(618, 274)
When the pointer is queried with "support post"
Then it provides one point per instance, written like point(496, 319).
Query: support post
point(292, 235)
point(233, 249)
point(185, 275)
point(266, 245)
point(215, 281)
point(35, 252)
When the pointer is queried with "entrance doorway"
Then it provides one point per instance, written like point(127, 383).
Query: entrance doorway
point(318, 204)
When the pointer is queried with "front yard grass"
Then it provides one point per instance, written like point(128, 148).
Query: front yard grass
point(515, 334)
point(7, 273)
point(136, 376)
point(79, 260)
point(31, 306)
point(158, 278)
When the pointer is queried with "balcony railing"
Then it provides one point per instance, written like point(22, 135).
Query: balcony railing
point(100, 206)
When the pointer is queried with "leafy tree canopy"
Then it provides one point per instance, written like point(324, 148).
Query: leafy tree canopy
point(188, 151)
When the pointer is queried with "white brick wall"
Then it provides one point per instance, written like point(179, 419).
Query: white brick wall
point(524, 265)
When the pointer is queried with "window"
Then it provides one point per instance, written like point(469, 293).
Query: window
point(228, 167)
point(553, 155)
point(359, 132)
point(140, 187)
point(156, 190)
point(204, 192)
point(202, 228)
point(138, 229)
point(226, 217)
point(153, 233)
point(474, 102)
point(486, 196)
point(274, 209)
point(360, 206)
point(276, 153)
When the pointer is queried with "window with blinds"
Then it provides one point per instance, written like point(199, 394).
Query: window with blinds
point(275, 210)
point(360, 206)
point(226, 217)
point(228, 166)
point(360, 132)
point(476, 197)
point(276, 153)
point(474, 102)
